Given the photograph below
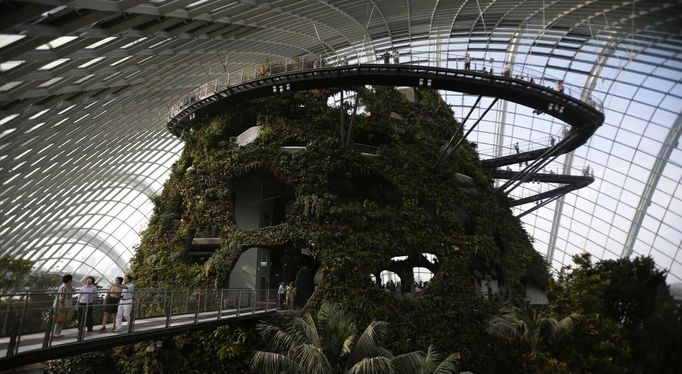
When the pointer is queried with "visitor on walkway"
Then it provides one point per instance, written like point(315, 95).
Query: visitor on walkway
point(551, 141)
point(387, 57)
point(467, 61)
point(396, 57)
point(560, 86)
point(86, 301)
point(111, 301)
point(507, 71)
point(280, 295)
point(62, 302)
point(516, 147)
point(291, 294)
point(125, 306)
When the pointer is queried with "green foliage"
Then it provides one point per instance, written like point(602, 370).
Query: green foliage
point(223, 350)
point(541, 363)
point(353, 236)
point(100, 362)
point(530, 326)
point(13, 272)
point(332, 343)
point(661, 336)
point(617, 299)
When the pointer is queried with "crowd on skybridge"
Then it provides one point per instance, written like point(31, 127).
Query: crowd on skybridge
point(118, 304)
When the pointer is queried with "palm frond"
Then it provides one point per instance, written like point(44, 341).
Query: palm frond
point(278, 340)
point(367, 345)
point(273, 363)
point(431, 361)
point(337, 331)
point(504, 329)
point(409, 362)
point(304, 330)
point(448, 366)
point(373, 365)
point(311, 359)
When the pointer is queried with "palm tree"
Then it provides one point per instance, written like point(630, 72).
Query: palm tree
point(331, 345)
point(420, 363)
point(529, 326)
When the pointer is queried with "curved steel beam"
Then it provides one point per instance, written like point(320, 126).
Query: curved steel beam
point(671, 142)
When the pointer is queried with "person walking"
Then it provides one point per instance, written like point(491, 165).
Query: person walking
point(125, 306)
point(62, 302)
point(86, 299)
point(111, 303)
point(280, 295)
point(467, 61)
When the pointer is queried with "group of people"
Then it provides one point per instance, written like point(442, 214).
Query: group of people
point(286, 295)
point(118, 303)
point(386, 56)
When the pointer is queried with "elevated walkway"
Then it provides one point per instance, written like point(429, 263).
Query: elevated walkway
point(570, 183)
point(583, 118)
point(28, 323)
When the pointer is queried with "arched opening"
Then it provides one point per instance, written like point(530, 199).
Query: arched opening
point(390, 281)
point(266, 268)
point(422, 276)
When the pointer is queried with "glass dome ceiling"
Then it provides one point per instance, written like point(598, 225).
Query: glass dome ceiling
point(86, 89)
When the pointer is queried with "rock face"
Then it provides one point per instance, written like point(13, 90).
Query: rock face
point(340, 224)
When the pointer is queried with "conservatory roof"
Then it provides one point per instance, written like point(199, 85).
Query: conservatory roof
point(87, 87)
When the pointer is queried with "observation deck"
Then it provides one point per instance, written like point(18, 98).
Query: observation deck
point(574, 107)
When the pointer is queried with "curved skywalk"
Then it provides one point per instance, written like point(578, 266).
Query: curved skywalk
point(86, 88)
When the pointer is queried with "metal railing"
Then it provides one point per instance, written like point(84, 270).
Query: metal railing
point(272, 67)
point(28, 318)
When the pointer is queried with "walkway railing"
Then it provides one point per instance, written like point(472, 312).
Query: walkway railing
point(271, 67)
point(28, 319)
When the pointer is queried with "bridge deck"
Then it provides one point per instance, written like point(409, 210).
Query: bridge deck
point(36, 346)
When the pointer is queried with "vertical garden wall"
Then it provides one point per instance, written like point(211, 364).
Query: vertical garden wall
point(299, 200)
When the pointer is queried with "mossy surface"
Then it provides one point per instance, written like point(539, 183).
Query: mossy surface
point(419, 209)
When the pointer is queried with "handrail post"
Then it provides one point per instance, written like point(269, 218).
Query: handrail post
point(132, 312)
point(196, 312)
point(170, 309)
point(13, 349)
point(220, 305)
point(82, 322)
point(4, 323)
point(239, 302)
point(267, 299)
point(47, 340)
point(187, 302)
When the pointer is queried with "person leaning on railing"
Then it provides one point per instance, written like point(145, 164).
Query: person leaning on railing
point(62, 302)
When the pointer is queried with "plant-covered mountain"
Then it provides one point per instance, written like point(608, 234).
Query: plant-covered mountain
point(347, 205)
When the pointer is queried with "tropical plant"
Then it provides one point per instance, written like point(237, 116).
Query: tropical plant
point(530, 326)
point(420, 363)
point(331, 344)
